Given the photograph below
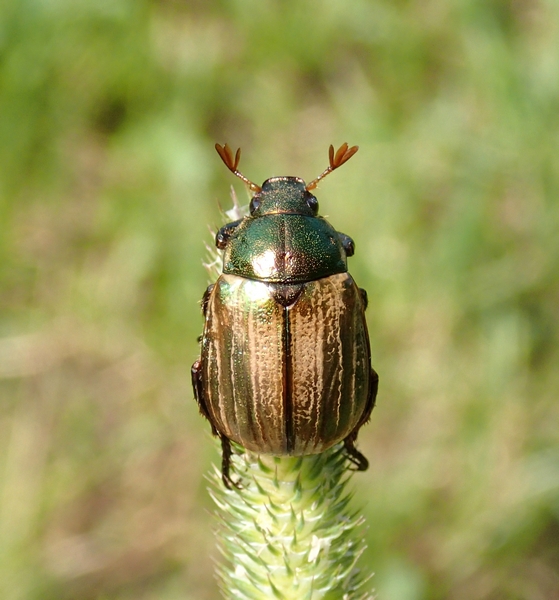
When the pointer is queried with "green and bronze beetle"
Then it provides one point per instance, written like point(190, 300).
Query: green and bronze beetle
point(285, 364)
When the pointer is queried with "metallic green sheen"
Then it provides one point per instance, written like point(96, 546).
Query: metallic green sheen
point(284, 248)
point(283, 195)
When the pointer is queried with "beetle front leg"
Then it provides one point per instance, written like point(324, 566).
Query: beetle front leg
point(347, 243)
point(223, 235)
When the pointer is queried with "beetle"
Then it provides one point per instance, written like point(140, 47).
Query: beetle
point(285, 365)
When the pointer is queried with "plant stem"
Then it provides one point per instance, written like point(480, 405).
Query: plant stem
point(288, 533)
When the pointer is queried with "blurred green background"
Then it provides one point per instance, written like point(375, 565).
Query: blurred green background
point(109, 110)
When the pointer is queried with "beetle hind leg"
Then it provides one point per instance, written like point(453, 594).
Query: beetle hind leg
point(226, 450)
point(353, 455)
point(226, 453)
point(364, 298)
point(198, 387)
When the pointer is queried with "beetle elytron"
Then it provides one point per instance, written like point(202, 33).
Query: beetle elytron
point(285, 360)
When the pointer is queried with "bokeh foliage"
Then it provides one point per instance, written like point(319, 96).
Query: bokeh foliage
point(108, 179)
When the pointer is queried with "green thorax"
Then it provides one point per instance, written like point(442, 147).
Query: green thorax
point(283, 241)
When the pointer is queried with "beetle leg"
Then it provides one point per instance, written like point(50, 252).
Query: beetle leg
point(226, 453)
point(354, 456)
point(364, 298)
point(223, 235)
point(226, 450)
point(198, 386)
point(206, 298)
point(347, 243)
point(371, 398)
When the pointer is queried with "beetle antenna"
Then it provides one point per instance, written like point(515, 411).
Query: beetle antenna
point(342, 155)
point(232, 162)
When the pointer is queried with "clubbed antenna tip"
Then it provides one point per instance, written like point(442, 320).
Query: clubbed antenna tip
point(337, 159)
point(232, 162)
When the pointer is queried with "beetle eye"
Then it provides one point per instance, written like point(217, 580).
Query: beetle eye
point(254, 204)
point(312, 203)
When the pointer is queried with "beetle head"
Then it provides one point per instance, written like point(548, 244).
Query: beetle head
point(288, 195)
